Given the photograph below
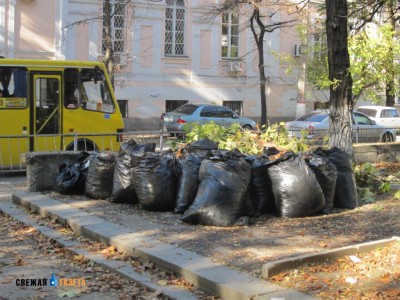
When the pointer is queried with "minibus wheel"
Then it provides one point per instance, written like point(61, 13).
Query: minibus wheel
point(83, 145)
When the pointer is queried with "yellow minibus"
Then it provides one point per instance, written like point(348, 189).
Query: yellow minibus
point(55, 105)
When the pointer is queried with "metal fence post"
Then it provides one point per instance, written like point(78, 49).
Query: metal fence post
point(161, 139)
point(75, 141)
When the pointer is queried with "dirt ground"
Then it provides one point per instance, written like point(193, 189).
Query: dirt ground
point(371, 275)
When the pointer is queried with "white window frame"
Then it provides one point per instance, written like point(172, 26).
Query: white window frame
point(230, 38)
point(318, 39)
point(175, 17)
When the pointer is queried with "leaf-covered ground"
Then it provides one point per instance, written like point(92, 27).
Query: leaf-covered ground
point(371, 275)
point(27, 254)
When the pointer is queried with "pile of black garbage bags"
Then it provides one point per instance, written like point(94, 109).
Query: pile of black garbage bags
point(215, 187)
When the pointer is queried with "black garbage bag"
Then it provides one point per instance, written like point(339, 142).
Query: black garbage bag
point(188, 181)
point(296, 190)
point(202, 147)
point(260, 199)
point(71, 177)
point(270, 151)
point(222, 190)
point(99, 179)
point(326, 174)
point(129, 153)
point(155, 182)
point(346, 187)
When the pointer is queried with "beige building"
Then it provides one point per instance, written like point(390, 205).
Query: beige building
point(166, 54)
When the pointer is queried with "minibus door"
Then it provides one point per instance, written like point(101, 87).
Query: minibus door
point(46, 112)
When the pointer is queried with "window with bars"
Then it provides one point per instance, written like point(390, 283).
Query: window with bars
point(117, 15)
point(235, 106)
point(175, 27)
point(230, 35)
point(170, 105)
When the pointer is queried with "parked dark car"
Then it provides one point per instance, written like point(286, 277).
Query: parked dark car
point(201, 114)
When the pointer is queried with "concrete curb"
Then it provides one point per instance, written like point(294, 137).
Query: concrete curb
point(219, 280)
point(122, 268)
point(272, 268)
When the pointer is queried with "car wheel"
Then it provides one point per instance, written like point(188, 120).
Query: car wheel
point(387, 138)
point(247, 127)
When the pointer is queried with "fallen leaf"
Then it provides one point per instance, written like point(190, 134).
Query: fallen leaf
point(385, 278)
point(162, 282)
point(354, 259)
point(351, 280)
point(68, 294)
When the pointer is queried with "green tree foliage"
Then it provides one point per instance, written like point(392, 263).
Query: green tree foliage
point(371, 63)
point(247, 142)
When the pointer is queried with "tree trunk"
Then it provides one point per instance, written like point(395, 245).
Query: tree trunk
point(108, 57)
point(390, 83)
point(340, 132)
point(259, 38)
point(390, 97)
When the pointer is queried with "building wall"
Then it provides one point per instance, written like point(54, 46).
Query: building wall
point(25, 30)
point(202, 76)
point(149, 78)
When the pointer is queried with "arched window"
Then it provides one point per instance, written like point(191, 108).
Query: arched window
point(175, 27)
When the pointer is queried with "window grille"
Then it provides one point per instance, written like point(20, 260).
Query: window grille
point(170, 105)
point(175, 27)
point(117, 27)
point(235, 106)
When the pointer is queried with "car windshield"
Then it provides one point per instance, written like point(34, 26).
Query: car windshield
point(186, 109)
point(313, 117)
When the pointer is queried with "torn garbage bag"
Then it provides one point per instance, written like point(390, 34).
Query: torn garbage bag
point(71, 177)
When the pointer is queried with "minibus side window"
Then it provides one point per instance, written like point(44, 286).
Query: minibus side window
point(13, 87)
point(71, 93)
point(94, 91)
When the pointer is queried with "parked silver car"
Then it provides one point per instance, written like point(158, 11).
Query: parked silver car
point(316, 126)
point(201, 114)
point(382, 115)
